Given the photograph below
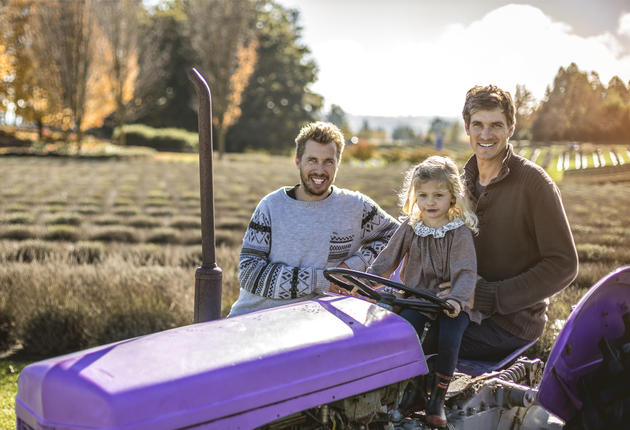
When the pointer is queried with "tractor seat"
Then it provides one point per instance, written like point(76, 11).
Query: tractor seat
point(477, 367)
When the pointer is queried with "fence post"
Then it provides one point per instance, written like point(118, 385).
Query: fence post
point(208, 277)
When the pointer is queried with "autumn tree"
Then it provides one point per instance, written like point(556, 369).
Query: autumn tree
point(278, 99)
point(119, 22)
point(65, 47)
point(616, 110)
point(26, 87)
point(572, 108)
point(226, 49)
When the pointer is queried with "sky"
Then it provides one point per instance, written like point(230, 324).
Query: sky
point(419, 57)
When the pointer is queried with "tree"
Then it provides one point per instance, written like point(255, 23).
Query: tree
point(65, 46)
point(166, 55)
point(26, 85)
point(278, 100)
point(226, 49)
point(616, 110)
point(119, 20)
point(403, 132)
point(525, 107)
point(337, 116)
point(572, 107)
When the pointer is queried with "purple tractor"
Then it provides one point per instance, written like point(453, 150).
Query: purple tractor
point(335, 362)
point(332, 363)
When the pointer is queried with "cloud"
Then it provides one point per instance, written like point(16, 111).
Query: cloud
point(514, 44)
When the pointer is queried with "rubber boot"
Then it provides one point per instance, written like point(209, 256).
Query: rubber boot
point(435, 408)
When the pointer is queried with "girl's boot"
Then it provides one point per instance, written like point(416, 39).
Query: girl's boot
point(435, 408)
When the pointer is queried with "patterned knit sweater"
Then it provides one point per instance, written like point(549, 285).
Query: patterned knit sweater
point(290, 242)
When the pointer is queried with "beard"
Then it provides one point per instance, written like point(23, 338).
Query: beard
point(314, 192)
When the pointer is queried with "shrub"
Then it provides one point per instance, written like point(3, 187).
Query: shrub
point(63, 218)
point(164, 212)
point(145, 255)
point(190, 196)
point(126, 211)
point(87, 253)
point(163, 235)
point(17, 232)
point(135, 322)
point(191, 258)
point(595, 253)
point(107, 220)
point(361, 151)
point(229, 238)
point(116, 234)
point(17, 207)
point(186, 222)
point(143, 222)
point(17, 218)
point(160, 139)
point(233, 223)
point(55, 330)
point(88, 209)
point(33, 250)
point(418, 155)
point(7, 329)
point(66, 233)
point(190, 237)
point(123, 201)
point(157, 203)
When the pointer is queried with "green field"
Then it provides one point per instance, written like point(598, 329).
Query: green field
point(96, 251)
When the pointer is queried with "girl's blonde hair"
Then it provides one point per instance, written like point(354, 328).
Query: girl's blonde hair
point(441, 169)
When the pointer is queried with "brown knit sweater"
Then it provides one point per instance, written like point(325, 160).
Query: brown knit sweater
point(525, 250)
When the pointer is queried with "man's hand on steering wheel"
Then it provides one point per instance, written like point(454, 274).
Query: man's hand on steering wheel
point(336, 289)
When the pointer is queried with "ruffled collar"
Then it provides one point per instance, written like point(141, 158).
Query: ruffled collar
point(423, 230)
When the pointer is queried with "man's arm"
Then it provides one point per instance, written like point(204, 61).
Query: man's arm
point(555, 270)
point(377, 228)
point(274, 280)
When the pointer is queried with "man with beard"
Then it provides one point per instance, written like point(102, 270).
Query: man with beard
point(297, 232)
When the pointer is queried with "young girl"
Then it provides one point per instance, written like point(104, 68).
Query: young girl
point(436, 244)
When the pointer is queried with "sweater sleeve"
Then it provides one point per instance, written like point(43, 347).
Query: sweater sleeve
point(556, 268)
point(463, 267)
point(391, 256)
point(275, 280)
point(377, 227)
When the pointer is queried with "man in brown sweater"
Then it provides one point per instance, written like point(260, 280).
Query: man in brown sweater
point(525, 250)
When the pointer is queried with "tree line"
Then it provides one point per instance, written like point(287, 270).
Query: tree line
point(576, 107)
point(98, 64)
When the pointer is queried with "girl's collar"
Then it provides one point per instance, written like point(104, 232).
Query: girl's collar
point(423, 230)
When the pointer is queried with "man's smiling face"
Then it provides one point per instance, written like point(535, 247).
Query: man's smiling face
point(489, 133)
point(318, 168)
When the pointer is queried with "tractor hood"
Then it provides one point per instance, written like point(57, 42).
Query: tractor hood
point(233, 373)
point(599, 314)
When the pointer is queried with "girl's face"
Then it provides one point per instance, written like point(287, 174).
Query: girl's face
point(434, 200)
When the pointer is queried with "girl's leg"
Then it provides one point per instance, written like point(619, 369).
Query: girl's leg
point(450, 335)
point(416, 319)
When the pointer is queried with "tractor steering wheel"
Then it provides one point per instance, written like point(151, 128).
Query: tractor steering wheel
point(349, 279)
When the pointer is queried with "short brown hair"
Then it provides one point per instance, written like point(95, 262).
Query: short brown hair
point(489, 98)
point(321, 132)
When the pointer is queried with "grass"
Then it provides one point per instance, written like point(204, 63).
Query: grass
point(9, 371)
point(119, 241)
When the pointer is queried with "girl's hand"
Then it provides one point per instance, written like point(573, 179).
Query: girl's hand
point(457, 308)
